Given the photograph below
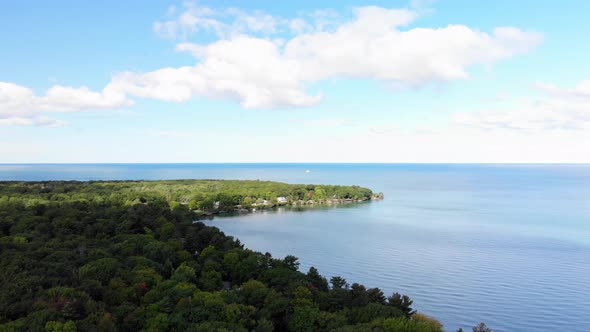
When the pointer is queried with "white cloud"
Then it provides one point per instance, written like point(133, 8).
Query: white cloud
point(189, 21)
point(262, 73)
point(552, 128)
point(422, 5)
point(167, 29)
point(255, 22)
point(560, 109)
point(69, 99)
point(299, 25)
point(204, 19)
point(40, 121)
point(581, 90)
point(248, 66)
point(247, 69)
point(20, 106)
point(370, 48)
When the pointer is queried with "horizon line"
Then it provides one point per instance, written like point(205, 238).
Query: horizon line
point(294, 163)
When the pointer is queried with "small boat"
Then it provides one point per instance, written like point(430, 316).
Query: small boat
point(307, 171)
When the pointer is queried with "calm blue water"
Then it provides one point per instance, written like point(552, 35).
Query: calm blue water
point(504, 244)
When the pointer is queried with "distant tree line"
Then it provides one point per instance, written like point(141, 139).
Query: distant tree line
point(201, 195)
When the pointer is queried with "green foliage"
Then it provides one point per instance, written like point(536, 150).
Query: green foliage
point(128, 256)
point(401, 302)
point(316, 280)
point(405, 325)
point(319, 193)
point(338, 282)
point(481, 327)
point(264, 325)
point(102, 269)
point(54, 326)
point(434, 324)
point(254, 293)
point(184, 273)
point(304, 318)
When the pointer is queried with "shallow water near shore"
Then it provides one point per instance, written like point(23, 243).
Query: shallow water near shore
point(504, 244)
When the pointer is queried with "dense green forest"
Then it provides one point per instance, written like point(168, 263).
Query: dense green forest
point(201, 196)
point(128, 256)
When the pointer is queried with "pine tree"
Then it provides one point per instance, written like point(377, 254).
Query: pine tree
point(402, 302)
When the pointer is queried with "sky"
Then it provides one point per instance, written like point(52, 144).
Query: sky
point(448, 81)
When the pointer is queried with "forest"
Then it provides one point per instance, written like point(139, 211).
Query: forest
point(129, 256)
point(201, 196)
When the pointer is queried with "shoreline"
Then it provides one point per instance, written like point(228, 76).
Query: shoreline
point(299, 204)
point(274, 209)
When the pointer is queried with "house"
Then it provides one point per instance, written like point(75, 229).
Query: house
point(282, 200)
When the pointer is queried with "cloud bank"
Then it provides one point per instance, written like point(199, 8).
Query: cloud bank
point(268, 72)
point(558, 109)
point(267, 62)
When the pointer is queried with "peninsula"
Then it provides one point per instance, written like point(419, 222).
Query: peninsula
point(129, 256)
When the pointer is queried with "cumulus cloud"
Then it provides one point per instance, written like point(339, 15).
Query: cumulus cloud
point(261, 72)
point(20, 106)
point(263, 61)
point(249, 70)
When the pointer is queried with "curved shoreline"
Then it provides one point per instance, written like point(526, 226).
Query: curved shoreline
point(302, 205)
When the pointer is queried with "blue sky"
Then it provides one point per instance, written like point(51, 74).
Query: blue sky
point(268, 81)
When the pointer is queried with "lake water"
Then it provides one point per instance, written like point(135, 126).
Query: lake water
point(504, 244)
